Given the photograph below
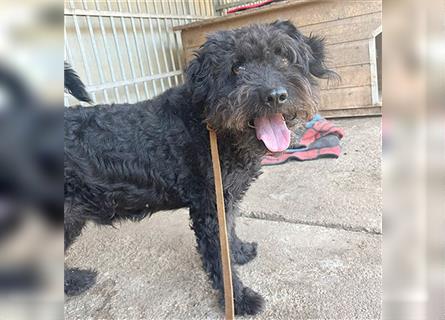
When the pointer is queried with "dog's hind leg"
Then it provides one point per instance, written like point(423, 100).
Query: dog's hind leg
point(205, 225)
point(72, 230)
point(76, 280)
point(73, 226)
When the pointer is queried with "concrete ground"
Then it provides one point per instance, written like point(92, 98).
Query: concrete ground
point(318, 226)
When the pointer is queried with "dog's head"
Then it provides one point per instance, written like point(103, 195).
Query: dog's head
point(255, 80)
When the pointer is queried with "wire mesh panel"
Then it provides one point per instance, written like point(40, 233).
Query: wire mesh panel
point(126, 51)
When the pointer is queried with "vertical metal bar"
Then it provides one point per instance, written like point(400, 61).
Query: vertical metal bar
point(221, 2)
point(186, 12)
point(96, 55)
point(180, 37)
point(174, 4)
point(176, 47)
point(69, 57)
point(206, 7)
point(196, 5)
point(212, 8)
point(130, 59)
point(168, 24)
point(183, 5)
point(67, 47)
point(186, 7)
point(138, 51)
point(202, 8)
point(158, 63)
point(155, 90)
point(82, 49)
point(168, 35)
point(119, 56)
point(162, 44)
point(175, 41)
point(192, 8)
point(179, 48)
point(65, 58)
point(107, 51)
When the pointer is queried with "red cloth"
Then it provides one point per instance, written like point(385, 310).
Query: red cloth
point(319, 129)
point(321, 139)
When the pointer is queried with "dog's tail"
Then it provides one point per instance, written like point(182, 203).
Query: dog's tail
point(73, 84)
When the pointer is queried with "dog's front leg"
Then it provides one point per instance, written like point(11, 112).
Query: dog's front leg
point(242, 251)
point(205, 225)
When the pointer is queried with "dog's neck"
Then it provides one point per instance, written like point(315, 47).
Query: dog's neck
point(240, 146)
point(244, 148)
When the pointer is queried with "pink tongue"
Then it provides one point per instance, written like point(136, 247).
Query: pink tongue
point(273, 131)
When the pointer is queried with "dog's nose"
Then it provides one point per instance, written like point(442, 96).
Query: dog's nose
point(277, 96)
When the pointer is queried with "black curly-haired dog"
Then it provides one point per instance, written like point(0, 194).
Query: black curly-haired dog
point(128, 161)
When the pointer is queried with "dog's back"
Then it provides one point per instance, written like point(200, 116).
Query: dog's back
point(125, 160)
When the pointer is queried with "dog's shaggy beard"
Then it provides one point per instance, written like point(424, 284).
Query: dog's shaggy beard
point(235, 113)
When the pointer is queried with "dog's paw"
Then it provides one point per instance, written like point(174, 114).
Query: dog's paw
point(249, 302)
point(78, 281)
point(245, 252)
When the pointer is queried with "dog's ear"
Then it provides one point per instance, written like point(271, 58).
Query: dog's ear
point(199, 79)
point(289, 28)
point(317, 65)
point(314, 44)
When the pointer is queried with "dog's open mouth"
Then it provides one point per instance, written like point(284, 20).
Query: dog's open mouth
point(272, 130)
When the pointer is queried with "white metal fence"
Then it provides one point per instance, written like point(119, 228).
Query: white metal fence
point(126, 51)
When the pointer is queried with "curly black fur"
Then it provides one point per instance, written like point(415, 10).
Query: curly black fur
point(128, 161)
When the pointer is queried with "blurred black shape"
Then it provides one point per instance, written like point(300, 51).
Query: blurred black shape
point(31, 155)
point(19, 278)
point(51, 15)
point(17, 93)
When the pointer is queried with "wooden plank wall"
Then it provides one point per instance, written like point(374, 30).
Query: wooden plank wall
point(347, 27)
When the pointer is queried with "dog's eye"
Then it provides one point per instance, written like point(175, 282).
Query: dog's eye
point(236, 69)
